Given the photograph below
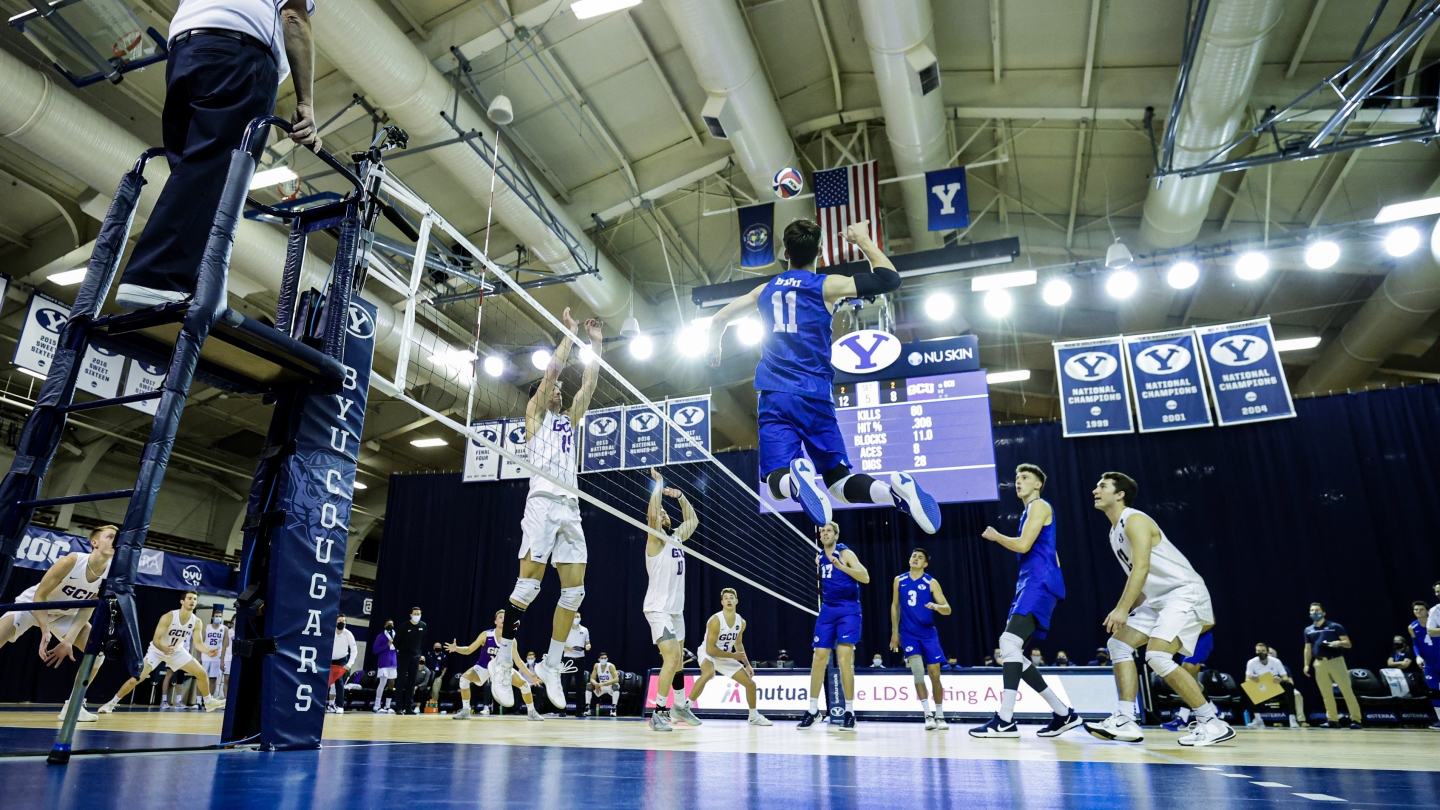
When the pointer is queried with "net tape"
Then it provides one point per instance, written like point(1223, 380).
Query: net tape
point(465, 297)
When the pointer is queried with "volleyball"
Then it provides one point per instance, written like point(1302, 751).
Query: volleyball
point(788, 183)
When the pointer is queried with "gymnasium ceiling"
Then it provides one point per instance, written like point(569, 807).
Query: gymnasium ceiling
point(616, 97)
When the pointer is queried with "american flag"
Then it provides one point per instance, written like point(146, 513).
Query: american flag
point(843, 196)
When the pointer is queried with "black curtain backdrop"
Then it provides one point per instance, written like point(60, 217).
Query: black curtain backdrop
point(1337, 505)
point(24, 678)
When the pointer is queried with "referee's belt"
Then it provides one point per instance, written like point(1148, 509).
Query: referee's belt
point(224, 33)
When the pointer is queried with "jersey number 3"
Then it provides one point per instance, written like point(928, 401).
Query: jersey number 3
point(911, 602)
point(782, 308)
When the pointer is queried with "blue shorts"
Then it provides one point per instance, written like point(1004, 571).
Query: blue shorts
point(789, 422)
point(837, 625)
point(1432, 678)
point(927, 647)
point(1203, 646)
point(1036, 600)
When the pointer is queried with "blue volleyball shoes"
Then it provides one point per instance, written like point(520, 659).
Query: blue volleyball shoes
point(814, 500)
point(915, 502)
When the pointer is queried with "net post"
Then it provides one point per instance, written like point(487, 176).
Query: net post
point(60, 751)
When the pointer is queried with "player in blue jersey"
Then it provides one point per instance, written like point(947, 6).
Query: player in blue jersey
point(838, 625)
point(916, 598)
point(1039, 589)
point(1191, 664)
point(1425, 631)
point(794, 379)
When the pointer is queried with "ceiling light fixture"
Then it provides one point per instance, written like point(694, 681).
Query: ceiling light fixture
point(939, 306)
point(454, 358)
point(1182, 275)
point(998, 303)
point(694, 338)
point(1297, 344)
point(1322, 255)
point(585, 9)
point(996, 281)
point(427, 442)
point(751, 331)
point(361, 485)
point(998, 377)
point(641, 347)
point(66, 278)
point(1408, 210)
point(1057, 292)
point(540, 358)
point(1402, 241)
point(273, 177)
point(37, 375)
point(1251, 266)
point(1122, 284)
point(1118, 256)
point(494, 366)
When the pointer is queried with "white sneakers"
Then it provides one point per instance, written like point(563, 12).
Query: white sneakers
point(463, 714)
point(83, 717)
point(500, 687)
point(684, 715)
point(1210, 732)
point(531, 713)
point(1118, 727)
point(106, 708)
point(758, 719)
point(213, 703)
point(550, 676)
point(929, 722)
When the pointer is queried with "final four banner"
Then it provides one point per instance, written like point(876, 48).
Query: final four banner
point(692, 414)
point(644, 437)
point(949, 206)
point(1246, 379)
point(482, 463)
point(757, 235)
point(1166, 381)
point(1094, 397)
point(604, 437)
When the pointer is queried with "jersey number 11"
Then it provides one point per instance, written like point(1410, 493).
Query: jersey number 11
point(782, 324)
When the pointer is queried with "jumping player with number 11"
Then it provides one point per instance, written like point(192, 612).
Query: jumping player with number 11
point(794, 379)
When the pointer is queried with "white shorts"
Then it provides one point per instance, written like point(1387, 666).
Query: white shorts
point(391, 673)
point(481, 675)
point(723, 666)
point(666, 624)
point(214, 666)
point(176, 660)
point(1182, 614)
point(550, 531)
point(60, 623)
point(225, 667)
point(606, 689)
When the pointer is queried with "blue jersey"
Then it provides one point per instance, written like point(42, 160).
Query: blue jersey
point(837, 588)
point(915, 618)
point(1041, 564)
point(795, 351)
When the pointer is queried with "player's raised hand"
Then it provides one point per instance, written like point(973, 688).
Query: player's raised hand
point(672, 492)
point(858, 231)
point(594, 331)
point(654, 473)
point(570, 323)
point(991, 535)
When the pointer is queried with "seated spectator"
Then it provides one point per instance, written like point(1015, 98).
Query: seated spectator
point(877, 662)
point(995, 656)
point(1403, 658)
point(784, 656)
point(423, 677)
point(1265, 662)
point(1102, 658)
point(1063, 660)
point(1037, 658)
point(989, 661)
point(952, 664)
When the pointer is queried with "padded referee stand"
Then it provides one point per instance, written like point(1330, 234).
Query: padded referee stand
point(303, 484)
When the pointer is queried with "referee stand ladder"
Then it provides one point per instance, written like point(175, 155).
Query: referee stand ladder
point(301, 356)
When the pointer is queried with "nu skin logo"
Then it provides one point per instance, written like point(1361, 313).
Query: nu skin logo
point(644, 422)
point(1091, 366)
point(1239, 350)
point(865, 352)
point(1166, 358)
point(689, 416)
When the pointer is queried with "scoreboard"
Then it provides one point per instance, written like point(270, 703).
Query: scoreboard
point(933, 426)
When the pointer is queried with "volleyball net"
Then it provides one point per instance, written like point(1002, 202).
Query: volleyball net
point(468, 334)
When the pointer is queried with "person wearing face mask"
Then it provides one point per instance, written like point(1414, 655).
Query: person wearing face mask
point(435, 661)
point(1063, 660)
point(1325, 642)
point(342, 662)
point(410, 644)
point(1037, 658)
point(877, 662)
point(217, 637)
point(385, 665)
point(1402, 657)
point(577, 644)
point(604, 680)
point(1262, 663)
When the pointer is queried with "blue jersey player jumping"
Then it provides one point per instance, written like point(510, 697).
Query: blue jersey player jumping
point(917, 597)
point(838, 625)
point(1039, 589)
point(794, 378)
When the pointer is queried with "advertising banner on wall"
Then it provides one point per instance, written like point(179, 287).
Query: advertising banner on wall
point(1167, 381)
point(1094, 396)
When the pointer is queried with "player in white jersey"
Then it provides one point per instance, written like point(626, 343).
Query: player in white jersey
point(665, 597)
point(550, 529)
point(217, 638)
point(173, 639)
point(1165, 607)
point(75, 577)
point(724, 652)
point(604, 680)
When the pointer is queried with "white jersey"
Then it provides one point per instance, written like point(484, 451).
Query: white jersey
point(552, 449)
point(180, 633)
point(75, 587)
point(1169, 570)
point(666, 593)
point(214, 636)
point(728, 636)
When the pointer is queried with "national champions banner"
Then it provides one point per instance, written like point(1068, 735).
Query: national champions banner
point(1094, 397)
point(1166, 381)
point(1246, 379)
point(40, 548)
point(307, 550)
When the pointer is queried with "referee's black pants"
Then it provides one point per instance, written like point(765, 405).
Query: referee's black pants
point(214, 86)
point(405, 682)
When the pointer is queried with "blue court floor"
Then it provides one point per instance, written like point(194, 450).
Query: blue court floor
point(352, 774)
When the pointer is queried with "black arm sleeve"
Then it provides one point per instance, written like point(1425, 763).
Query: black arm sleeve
point(878, 281)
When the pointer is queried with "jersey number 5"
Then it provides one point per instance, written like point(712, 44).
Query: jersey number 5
point(782, 308)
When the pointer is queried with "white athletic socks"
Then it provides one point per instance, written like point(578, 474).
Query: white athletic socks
point(925, 704)
point(1205, 713)
point(1007, 704)
point(754, 713)
point(1056, 704)
point(787, 486)
point(557, 649)
point(1125, 708)
point(880, 492)
point(814, 704)
point(1183, 715)
point(939, 709)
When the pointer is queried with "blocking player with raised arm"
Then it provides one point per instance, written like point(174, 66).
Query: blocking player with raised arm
point(75, 577)
point(172, 641)
point(488, 643)
point(914, 601)
point(550, 529)
point(794, 378)
point(665, 597)
point(838, 625)
point(1165, 606)
point(1038, 590)
point(723, 651)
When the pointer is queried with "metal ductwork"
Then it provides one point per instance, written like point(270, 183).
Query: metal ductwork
point(902, 49)
point(362, 41)
point(741, 105)
point(1223, 74)
point(1407, 298)
point(61, 129)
